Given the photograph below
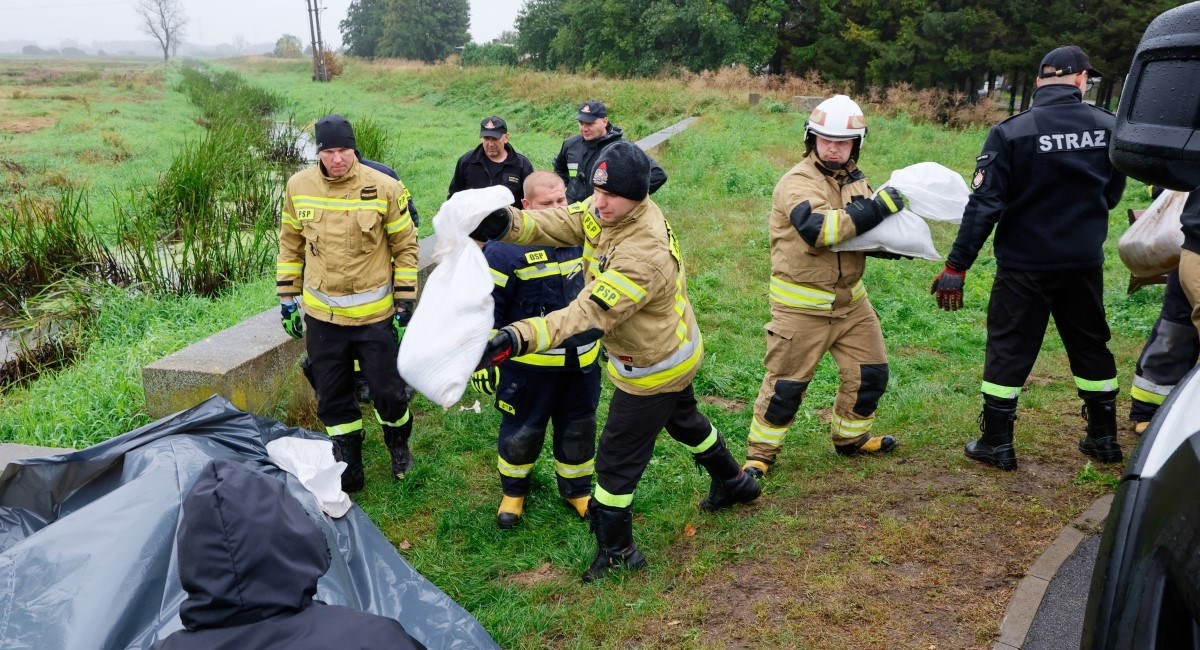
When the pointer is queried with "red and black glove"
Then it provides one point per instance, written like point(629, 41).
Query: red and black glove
point(498, 349)
point(948, 287)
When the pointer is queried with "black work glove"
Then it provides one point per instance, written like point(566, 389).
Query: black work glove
point(889, 200)
point(948, 286)
point(493, 226)
point(292, 318)
point(400, 319)
point(498, 349)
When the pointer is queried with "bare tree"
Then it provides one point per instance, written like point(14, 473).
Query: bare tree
point(165, 21)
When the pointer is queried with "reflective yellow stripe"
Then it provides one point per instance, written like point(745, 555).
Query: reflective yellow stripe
point(358, 311)
point(499, 279)
point(612, 500)
point(589, 254)
point(378, 418)
point(623, 284)
point(705, 444)
point(308, 201)
point(1143, 395)
point(291, 221)
point(576, 471)
point(831, 227)
point(513, 471)
point(399, 224)
point(858, 292)
point(343, 429)
point(541, 335)
point(849, 429)
point(1096, 385)
point(558, 360)
point(527, 228)
point(661, 377)
point(404, 273)
point(766, 434)
point(289, 268)
point(799, 295)
point(996, 390)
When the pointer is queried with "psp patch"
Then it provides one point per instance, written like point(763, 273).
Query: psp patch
point(305, 214)
point(605, 295)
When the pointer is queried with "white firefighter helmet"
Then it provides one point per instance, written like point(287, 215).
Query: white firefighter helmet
point(837, 118)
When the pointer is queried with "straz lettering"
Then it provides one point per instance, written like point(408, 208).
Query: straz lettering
point(533, 257)
point(1096, 139)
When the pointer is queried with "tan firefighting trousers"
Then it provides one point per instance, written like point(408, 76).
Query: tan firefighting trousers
point(1189, 279)
point(795, 344)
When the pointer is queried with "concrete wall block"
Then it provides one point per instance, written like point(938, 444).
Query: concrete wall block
point(805, 103)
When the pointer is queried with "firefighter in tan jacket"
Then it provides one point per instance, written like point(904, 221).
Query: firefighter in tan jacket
point(635, 301)
point(818, 301)
point(348, 249)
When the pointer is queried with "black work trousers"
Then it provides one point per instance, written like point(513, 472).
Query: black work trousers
point(528, 400)
point(1021, 305)
point(627, 442)
point(332, 350)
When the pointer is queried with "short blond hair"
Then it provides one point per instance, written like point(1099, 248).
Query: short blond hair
point(544, 179)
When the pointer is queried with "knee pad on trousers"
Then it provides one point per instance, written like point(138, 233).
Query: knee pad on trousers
point(785, 402)
point(873, 381)
point(579, 439)
point(523, 446)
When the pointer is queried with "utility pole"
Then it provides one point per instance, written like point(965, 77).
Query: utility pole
point(320, 48)
point(314, 33)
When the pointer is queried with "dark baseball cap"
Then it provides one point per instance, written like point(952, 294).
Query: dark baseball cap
point(591, 110)
point(1068, 59)
point(492, 127)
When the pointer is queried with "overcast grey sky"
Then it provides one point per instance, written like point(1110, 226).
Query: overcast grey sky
point(212, 22)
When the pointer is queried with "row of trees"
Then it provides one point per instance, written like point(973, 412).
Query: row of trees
point(948, 44)
point(424, 30)
point(951, 44)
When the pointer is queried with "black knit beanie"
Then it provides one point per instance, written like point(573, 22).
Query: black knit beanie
point(334, 131)
point(623, 169)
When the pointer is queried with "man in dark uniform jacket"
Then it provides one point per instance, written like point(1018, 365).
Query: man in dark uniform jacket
point(577, 158)
point(493, 162)
point(1044, 181)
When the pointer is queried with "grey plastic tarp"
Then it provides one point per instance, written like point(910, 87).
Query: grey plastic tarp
point(87, 540)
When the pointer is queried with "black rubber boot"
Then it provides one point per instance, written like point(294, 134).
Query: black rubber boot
point(396, 439)
point(1101, 439)
point(613, 528)
point(730, 484)
point(995, 445)
point(348, 449)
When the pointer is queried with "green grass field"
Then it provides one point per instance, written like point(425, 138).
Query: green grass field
point(837, 553)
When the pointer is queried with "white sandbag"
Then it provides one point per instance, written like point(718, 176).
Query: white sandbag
point(903, 233)
point(932, 191)
point(453, 319)
point(312, 462)
point(1151, 245)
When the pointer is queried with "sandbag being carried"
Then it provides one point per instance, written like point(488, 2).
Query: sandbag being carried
point(1151, 245)
point(453, 319)
point(931, 191)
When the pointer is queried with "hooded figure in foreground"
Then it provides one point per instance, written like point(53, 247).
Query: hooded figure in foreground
point(249, 559)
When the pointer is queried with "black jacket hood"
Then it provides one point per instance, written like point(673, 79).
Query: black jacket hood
point(247, 549)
